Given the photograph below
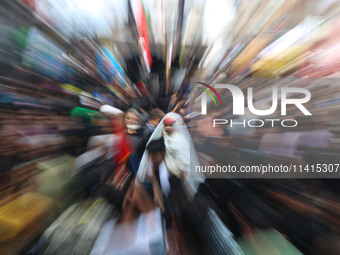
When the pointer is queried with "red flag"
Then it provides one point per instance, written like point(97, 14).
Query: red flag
point(143, 37)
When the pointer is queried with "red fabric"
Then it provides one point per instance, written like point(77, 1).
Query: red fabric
point(141, 87)
point(30, 4)
point(169, 121)
point(125, 144)
point(125, 149)
point(142, 28)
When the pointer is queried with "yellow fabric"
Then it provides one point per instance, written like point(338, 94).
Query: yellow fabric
point(17, 214)
point(71, 88)
point(272, 66)
point(90, 213)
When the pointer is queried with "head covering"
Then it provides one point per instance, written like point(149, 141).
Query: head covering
point(180, 153)
point(169, 120)
point(108, 109)
point(84, 113)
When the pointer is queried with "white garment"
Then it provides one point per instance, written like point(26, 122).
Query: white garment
point(130, 238)
point(180, 153)
point(164, 179)
point(176, 156)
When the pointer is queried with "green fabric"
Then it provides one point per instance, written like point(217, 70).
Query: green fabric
point(19, 36)
point(84, 113)
point(267, 242)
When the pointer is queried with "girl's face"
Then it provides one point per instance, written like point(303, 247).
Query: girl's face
point(169, 128)
point(131, 119)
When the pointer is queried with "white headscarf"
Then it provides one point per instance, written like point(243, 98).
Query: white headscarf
point(180, 153)
point(108, 109)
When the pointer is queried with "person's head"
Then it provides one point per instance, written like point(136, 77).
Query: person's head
point(132, 119)
point(169, 125)
point(156, 149)
point(156, 116)
point(182, 112)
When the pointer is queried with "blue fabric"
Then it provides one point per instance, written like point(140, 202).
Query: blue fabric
point(109, 68)
point(114, 62)
point(134, 162)
point(148, 187)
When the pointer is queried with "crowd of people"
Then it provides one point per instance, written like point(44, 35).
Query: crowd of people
point(137, 160)
point(102, 127)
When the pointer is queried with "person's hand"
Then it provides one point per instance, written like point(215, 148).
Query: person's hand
point(178, 105)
